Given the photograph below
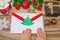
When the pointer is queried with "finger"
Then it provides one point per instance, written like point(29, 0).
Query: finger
point(27, 31)
point(23, 32)
point(39, 33)
point(44, 33)
point(30, 32)
point(35, 37)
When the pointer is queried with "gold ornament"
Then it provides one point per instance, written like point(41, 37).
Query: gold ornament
point(53, 21)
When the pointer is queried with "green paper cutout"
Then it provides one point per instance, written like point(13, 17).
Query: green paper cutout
point(40, 2)
point(14, 3)
point(27, 21)
point(35, 5)
point(30, 1)
point(20, 2)
point(17, 2)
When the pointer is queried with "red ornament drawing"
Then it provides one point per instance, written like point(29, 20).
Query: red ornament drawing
point(18, 7)
point(39, 8)
point(25, 4)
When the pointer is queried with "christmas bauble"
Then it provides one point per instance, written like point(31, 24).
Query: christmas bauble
point(25, 4)
point(18, 7)
point(46, 22)
point(39, 8)
point(53, 21)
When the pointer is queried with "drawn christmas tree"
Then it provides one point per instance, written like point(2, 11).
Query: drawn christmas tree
point(27, 21)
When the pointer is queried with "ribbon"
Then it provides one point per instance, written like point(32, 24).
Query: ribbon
point(50, 6)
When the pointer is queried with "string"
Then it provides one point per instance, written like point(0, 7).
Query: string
point(59, 3)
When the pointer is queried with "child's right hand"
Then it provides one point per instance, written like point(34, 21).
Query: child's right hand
point(40, 35)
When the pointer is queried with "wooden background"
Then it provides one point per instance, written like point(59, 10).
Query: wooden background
point(52, 31)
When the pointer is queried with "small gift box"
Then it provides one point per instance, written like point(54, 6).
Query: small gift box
point(52, 8)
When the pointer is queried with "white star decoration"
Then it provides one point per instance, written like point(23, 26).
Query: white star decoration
point(3, 23)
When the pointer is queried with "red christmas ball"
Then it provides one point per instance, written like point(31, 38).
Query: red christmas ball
point(39, 8)
point(25, 4)
point(46, 22)
point(18, 7)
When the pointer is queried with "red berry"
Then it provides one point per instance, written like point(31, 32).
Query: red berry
point(39, 8)
point(18, 7)
point(34, 1)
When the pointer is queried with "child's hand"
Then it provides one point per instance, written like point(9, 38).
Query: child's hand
point(40, 35)
point(26, 35)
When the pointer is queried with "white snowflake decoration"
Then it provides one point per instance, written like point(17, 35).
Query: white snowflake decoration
point(3, 23)
point(1, 27)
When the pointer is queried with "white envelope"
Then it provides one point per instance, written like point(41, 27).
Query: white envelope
point(22, 21)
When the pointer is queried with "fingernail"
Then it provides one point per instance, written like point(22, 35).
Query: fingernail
point(39, 28)
point(29, 29)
